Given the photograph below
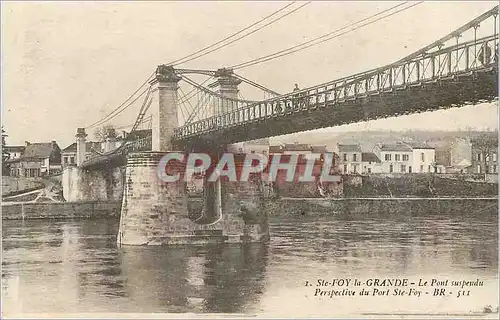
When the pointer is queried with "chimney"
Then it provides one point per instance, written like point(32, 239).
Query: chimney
point(26, 143)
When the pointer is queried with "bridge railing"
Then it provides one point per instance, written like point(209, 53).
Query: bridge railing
point(143, 144)
point(464, 58)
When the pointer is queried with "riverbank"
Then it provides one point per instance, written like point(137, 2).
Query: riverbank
point(60, 210)
point(409, 206)
point(274, 207)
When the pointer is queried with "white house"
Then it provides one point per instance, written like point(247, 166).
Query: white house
point(254, 146)
point(395, 158)
point(349, 158)
point(424, 158)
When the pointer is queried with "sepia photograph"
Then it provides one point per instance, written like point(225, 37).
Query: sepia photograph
point(249, 159)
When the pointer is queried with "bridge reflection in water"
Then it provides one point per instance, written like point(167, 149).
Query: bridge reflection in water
point(204, 279)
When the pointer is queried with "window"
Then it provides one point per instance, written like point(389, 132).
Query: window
point(397, 157)
point(406, 157)
point(72, 160)
point(345, 156)
point(354, 156)
point(354, 168)
point(345, 168)
point(409, 169)
point(391, 169)
point(369, 170)
point(387, 157)
point(422, 157)
point(479, 157)
point(421, 168)
point(65, 160)
point(487, 157)
point(478, 168)
point(495, 168)
point(495, 157)
point(403, 168)
point(429, 168)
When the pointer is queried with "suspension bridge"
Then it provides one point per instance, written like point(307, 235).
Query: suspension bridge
point(460, 68)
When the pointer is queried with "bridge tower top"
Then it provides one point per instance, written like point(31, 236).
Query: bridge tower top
point(81, 140)
point(164, 109)
point(165, 73)
point(226, 84)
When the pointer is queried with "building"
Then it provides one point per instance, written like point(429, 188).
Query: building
point(15, 152)
point(484, 154)
point(424, 157)
point(37, 159)
point(68, 154)
point(305, 150)
point(350, 158)
point(370, 163)
point(254, 146)
point(395, 158)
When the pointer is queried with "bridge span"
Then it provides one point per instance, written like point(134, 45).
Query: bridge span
point(454, 71)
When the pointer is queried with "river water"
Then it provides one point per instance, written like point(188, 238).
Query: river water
point(75, 266)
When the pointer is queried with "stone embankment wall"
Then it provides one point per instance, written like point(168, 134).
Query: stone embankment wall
point(415, 185)
point(93, 185)
point(276, 207)
point(400, 206)
point(15, 185)
point(61, 210)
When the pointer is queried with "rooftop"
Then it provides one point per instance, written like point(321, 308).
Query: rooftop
point(395, 147)
point(349, 148)
point(297, 147)
point(275, 149)
point(419, 145)
point(41, 150)
point(89, 145)
point(369, 157)
point(14, 148)
point(318, 149)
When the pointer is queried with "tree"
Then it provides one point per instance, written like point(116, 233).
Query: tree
point(485, 145)
point(102, 132)
point(5, 154)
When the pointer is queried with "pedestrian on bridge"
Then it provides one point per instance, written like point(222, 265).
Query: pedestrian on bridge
point(296, 96)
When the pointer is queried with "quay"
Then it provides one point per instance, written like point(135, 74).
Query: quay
point(274, 207)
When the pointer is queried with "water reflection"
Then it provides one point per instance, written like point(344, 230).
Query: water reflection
point(75, 266)
point(203, 279)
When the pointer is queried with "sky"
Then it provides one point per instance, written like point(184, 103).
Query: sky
point(67, 64)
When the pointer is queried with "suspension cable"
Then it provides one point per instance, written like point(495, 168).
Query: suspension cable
point(327, 37)
point(145, 106)
point(245, 35)
point(255, 84)
point(180, 60)
point(118, 109)
point(202, 88)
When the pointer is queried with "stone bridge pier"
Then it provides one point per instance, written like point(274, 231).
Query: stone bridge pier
point(155, 212)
